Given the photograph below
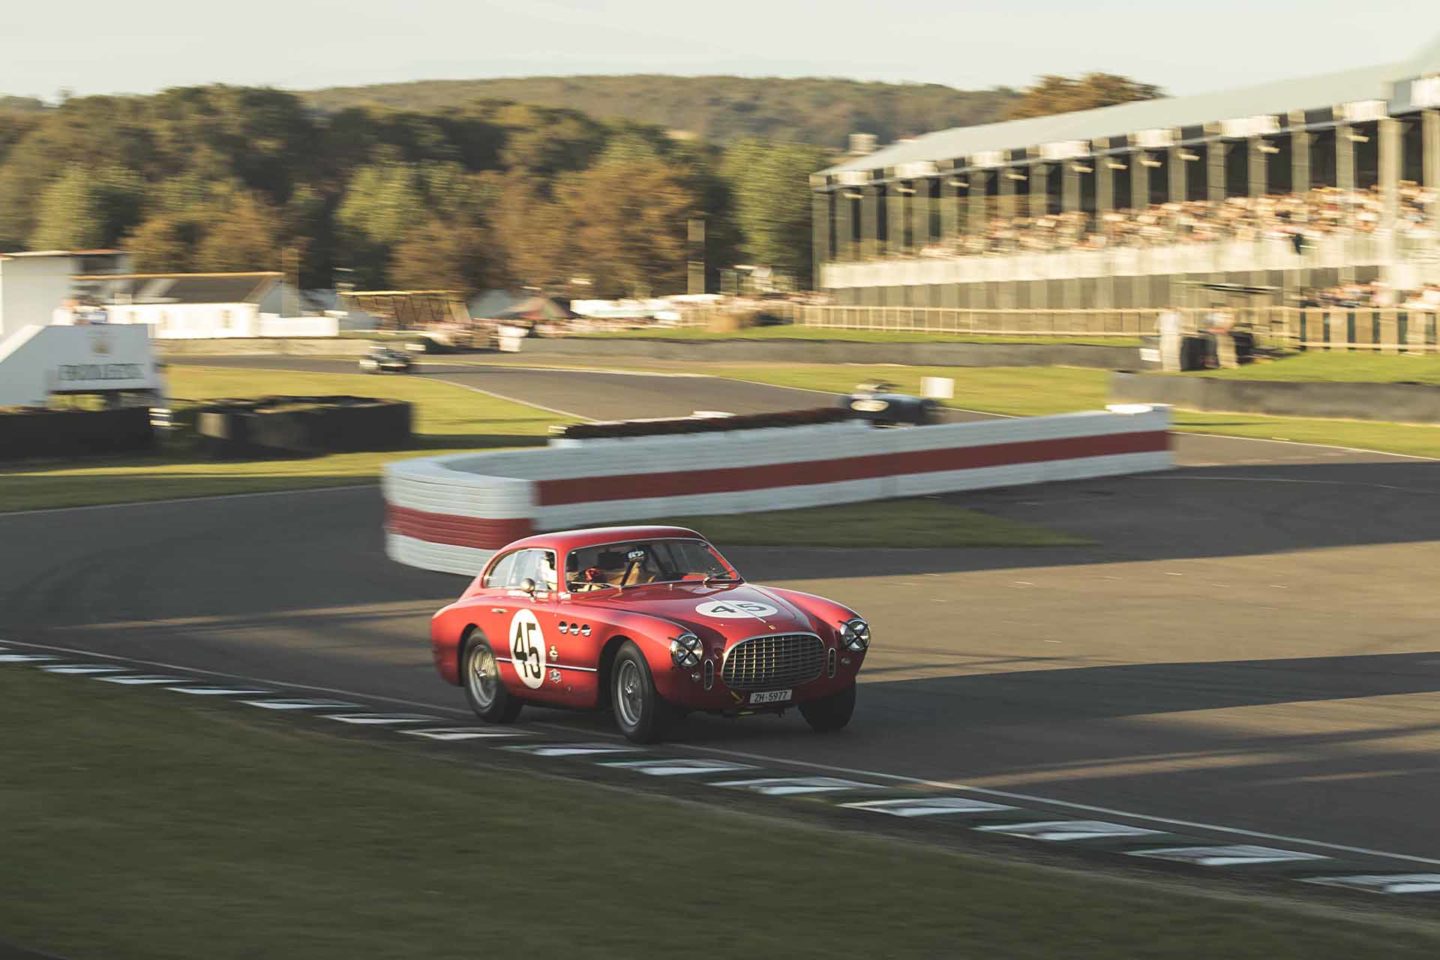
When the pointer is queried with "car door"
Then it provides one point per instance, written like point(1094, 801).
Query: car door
point(527, 625)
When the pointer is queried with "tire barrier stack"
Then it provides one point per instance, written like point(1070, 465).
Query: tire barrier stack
point(265, 426)
point(451, 513)
point(39, 432)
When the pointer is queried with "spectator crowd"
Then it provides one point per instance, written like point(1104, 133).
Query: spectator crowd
point(1297, 217)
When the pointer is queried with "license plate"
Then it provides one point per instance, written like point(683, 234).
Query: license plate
point(770, 696)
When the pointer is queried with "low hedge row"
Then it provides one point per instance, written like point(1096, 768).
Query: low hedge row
point(267, 425)
point(41, 432)
point(684, 425)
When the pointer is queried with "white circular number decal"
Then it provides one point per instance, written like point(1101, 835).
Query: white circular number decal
point(527, 649)
point(735, 609)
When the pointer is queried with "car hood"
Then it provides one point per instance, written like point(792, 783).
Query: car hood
point(733, 611)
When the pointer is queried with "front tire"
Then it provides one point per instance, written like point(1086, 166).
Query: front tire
point(831, 713)
point(487, 694)
point(640, 712)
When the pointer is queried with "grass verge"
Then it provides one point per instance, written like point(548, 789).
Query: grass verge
point(885, 523)
point(793, 332)
point(1338, 367)
point(448, 419)
point(139, 827)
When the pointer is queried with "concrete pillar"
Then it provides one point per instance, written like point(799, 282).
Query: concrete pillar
point(896, 202)
point(1070, 187)
point(977, 214)
point(1039, 175)
point(1257, 166)
point(1215, 150)
point(869, 221)
point(820, 226)
point(949, 207)
point(1300, 175)
point(1139, 180)
point(1299, 153)
point(1391, 158)
point(1345, 180)
point(1430, 153)
point(1006, 192)
point(844, 247)
point(920, 213)
point(1179, 186)
point(1104, 204)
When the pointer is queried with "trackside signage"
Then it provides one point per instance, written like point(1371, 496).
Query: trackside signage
point(103, 357)
point(41, 360)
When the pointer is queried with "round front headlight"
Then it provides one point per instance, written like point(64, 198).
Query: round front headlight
point(686, 651)
point(855, 634)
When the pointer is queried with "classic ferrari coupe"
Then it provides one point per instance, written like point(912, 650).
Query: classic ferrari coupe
point(649, 622)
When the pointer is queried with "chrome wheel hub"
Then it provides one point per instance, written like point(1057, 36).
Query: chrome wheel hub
point(483, 677)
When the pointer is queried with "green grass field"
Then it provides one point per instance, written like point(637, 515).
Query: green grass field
point(448, 419)
point(794, 332)
point(139, 826)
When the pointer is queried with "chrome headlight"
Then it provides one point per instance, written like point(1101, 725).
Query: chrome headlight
point(855, 634)
point(686, 650)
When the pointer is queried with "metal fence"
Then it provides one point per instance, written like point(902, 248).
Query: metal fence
point(1389, 330)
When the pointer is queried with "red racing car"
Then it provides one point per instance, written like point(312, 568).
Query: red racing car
point(650, 622)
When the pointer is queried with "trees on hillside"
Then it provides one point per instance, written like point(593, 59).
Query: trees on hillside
point(1056, 94)
point(770, 187)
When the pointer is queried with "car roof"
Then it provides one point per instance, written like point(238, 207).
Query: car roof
point(563, 540)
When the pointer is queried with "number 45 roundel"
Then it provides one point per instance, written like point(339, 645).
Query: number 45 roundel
point(527, 649)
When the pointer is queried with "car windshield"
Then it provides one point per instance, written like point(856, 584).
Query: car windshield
point(634, 562)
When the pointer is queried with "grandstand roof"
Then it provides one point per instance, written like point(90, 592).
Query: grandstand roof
point(1366, 83)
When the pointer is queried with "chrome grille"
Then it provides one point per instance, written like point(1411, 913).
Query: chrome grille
point(774, 662)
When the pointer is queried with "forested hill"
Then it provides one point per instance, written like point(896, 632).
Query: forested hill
point(819, 111)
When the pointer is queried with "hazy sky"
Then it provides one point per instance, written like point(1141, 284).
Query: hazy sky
point(92, 46)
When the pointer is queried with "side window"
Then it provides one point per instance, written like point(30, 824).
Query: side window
point(537, 565)
point(499, 575)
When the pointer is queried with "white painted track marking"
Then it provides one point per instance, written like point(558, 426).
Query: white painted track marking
point(777, 760)
point(199, 691)
point(81, 669)
point(1235, 856)
point(929, 806)
point(677, 767)
point(1064, 830)
point(465, 733)
point(794, 786)
point(1391, 883)
point(299, 704)
point(378, 719)
point(572, 749)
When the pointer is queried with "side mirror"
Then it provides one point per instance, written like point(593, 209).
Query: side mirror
point(528, 586)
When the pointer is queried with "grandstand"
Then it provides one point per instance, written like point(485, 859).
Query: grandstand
point(1296, 188)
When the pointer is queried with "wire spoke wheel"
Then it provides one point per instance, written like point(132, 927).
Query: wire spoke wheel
point(629, 694)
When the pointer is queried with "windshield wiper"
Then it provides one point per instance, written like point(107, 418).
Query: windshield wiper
point(709, 580)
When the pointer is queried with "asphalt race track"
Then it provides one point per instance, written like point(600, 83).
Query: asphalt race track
point(1251, 643)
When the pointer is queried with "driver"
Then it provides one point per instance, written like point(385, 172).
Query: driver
point(609, 569)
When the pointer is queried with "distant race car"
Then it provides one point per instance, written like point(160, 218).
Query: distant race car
point(386, 360)
point(881, 405)
point(649, 622)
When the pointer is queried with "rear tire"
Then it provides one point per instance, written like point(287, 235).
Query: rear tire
point(480, 673)
point(831, 713)
point(640, 712)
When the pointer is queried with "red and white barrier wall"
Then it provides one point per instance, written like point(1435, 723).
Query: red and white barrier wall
point(451, 513)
